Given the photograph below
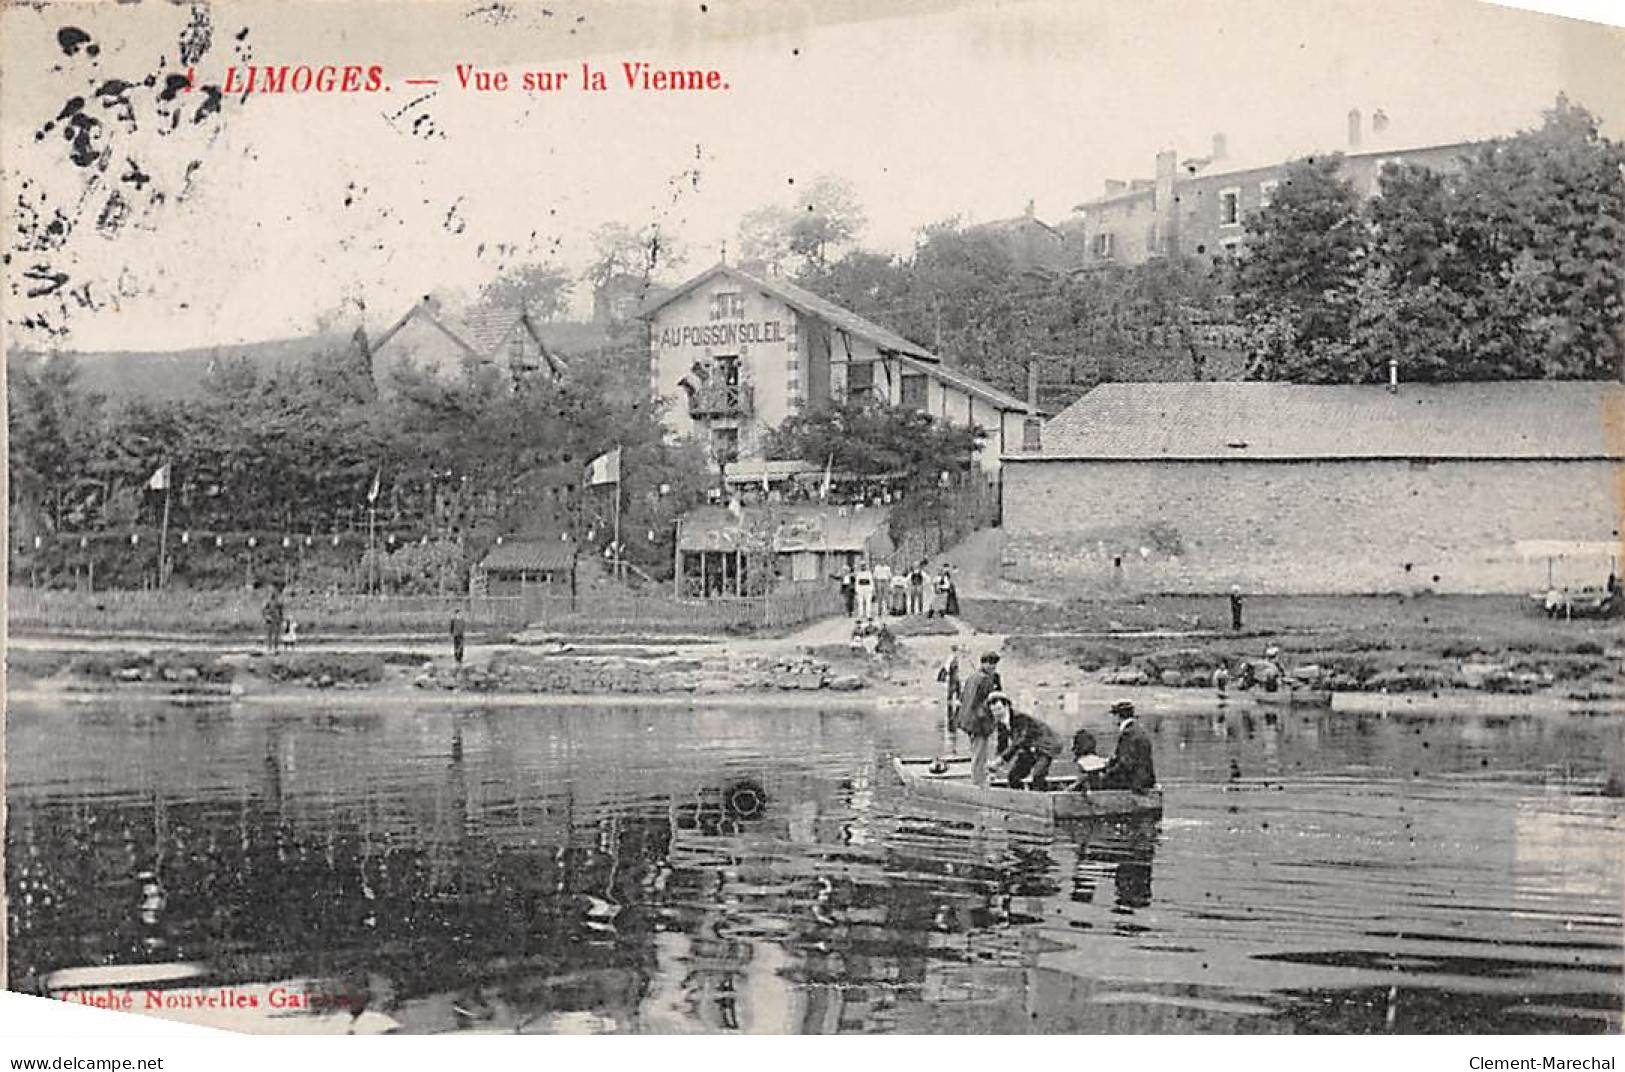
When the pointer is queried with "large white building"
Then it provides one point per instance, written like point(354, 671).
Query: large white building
point(734, 353)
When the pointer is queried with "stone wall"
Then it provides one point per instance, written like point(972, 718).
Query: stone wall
point(1312, 526)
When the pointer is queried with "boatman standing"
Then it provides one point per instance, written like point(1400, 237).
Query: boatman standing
point(974, 719)
point(1130, 766)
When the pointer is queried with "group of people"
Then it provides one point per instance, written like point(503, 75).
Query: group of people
point(875, 591)
point(1024, 746)
point(1267, 673)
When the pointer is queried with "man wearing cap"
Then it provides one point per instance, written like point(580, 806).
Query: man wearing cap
point(1033, 745)
point(974, 719)
point(1130, 766)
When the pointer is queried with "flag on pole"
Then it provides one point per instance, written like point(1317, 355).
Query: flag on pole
point(377, 479)
point(605, 469)
point(829, 472)
point(160, 479)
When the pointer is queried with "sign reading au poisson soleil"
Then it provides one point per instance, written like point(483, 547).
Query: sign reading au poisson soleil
point(723, 333)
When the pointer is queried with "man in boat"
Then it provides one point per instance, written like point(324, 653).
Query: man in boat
point(1130, 766)
point(974, 719)
point(1032, 745)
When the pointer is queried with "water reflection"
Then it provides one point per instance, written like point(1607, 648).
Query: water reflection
point(631, 870)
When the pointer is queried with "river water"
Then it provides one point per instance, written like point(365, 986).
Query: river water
point(758, 869)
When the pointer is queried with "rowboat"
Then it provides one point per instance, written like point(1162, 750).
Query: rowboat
point(1294, 698)
point(1058, 802)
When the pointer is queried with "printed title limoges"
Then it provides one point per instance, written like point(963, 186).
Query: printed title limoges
point(637, 76)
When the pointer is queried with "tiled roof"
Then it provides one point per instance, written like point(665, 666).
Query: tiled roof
point(530, 555)
point(1524, 419)
point(845, 320)
point(796, 527)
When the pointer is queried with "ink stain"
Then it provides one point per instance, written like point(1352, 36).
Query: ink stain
point(71, 39)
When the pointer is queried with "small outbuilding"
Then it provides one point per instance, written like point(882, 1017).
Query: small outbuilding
point(746, 551)
point(517, 567)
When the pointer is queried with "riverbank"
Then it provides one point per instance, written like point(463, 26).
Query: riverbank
point(1374, 653)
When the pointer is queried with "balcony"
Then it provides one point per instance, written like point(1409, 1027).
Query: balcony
point(721, 400)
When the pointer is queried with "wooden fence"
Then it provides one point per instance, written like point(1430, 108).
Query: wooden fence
point(239, 612)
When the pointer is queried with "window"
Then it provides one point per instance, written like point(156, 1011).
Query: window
point(1103, 244)
point(1266, 192)
point(860, 379)
point(915, 392)
point(728, 371)
point(727, 305)
point(725, 444)
point(1230, 207)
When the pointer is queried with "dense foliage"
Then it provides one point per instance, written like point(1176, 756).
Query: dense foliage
point(928, 463)
point(1510, 267)
point(458, 460)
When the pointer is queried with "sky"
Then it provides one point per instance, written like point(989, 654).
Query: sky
point(279, 215)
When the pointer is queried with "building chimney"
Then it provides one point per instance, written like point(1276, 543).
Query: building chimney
point(1354, 128)
point(1031, 428)
point(1167, 213)
point(1032, 208)
point(1115, 187)
point(1220, 148)
point(1393, 375)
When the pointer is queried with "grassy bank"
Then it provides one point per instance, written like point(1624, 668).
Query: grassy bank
point(1368, 643)
point(238, 613)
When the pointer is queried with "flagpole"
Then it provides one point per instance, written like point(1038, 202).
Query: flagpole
point(372, 545)
point(620, 572)
point(163, 531)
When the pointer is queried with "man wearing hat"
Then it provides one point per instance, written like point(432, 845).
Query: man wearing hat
point(974, 719)
point(1130, 766)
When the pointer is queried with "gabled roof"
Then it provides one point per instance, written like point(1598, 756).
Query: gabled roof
point(530, 555)
point(481, 333)
point(1281, 421)
point(425, 311)
point(805, 301)
point(802, 299)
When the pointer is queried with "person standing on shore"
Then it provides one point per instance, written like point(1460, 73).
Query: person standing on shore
point(882, 572)
point(951, 601)
point(864, 585)
point(916, 589)
point(272, 614)
point(975, 720)
point(948, 675)
point(1235, 607)
point(849, 591)
point(459, 632)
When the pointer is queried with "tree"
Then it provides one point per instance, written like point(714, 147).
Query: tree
point(823, 219)
point(643, 252)
point(54, 429)
point(1295, 285)
point(541, 290)
point(1512, 268)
